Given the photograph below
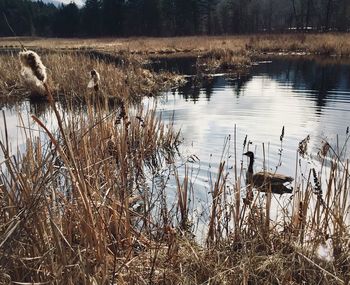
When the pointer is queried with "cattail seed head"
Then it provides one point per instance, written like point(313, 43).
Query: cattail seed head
point(302, 148)
point(31, 61)
point(324, 149)
point(94, 80)
point(282, 134)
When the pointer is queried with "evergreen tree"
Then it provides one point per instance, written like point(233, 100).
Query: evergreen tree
point(133, 17)
point(171, 17)
point(91, 18)
point(43, 18)
point(67, 20)
point(151, 17)
point(207, 16)
point(343, 15)
point(186, 17)
point(168, 17)
point(112, 17)
point(19, 15)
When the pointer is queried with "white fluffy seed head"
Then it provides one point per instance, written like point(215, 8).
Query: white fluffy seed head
point(325, 251)
point(31, 81)
point(94, 79)
point(32, 61)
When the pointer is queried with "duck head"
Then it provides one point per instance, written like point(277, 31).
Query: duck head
point(250, 154)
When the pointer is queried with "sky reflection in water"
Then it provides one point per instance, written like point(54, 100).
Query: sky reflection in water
point(308, 97)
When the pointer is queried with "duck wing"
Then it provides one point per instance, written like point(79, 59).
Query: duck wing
point(275, 182)
point(268, 177)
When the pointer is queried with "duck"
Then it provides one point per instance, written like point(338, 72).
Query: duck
point(263, 179)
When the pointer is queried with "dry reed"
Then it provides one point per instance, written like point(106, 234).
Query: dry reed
point(69, 74)
point(90, 207)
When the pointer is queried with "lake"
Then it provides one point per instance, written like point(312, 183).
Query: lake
point(305, 96)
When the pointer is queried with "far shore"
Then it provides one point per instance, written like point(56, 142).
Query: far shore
point(330, 44)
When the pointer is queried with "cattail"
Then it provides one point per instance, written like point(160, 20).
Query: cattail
point(142, 122)
point(324, 149)
point(94, 80)
point(302, 149)
point(32, 66)
point(122, 114)
point(282, 134)
point(317, 188)
point(245, 141)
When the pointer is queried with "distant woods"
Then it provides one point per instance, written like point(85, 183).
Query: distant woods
point(172, 17)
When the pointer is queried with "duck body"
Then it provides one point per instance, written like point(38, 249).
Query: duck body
point(265, 180)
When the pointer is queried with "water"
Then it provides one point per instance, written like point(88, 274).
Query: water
point(307, 97)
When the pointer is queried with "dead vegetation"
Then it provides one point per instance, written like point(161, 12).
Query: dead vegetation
point(214, 53)
point(121, 62)
point(69, 75)
point(88, 205)
point(325, 44)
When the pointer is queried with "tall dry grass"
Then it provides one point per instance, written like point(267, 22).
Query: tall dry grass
point(214, 53)
point(69, 74)
point(75, 208)
point(125, 77)
point(89, 205)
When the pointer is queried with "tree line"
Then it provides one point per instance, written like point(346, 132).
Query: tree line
point(172, 17)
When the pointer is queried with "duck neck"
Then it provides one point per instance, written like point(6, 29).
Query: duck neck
point(251, 162)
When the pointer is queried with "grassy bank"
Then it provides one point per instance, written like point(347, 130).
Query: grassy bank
point(121, 61)
point(325, 44)
point(214, 53)
point(69, 74)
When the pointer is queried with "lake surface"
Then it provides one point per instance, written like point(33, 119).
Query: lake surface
point(306, 97)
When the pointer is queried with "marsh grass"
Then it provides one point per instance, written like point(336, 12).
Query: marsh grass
point(214, 53)
point(67, 215)
point(325, 44)
point(221, 59)
point(88, 205)
point(69, 74)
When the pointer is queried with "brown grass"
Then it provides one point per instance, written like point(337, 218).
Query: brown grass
point(337, 44)
point(215, 53)
point(70, 218)
point(74, 213)
point(69, 74)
